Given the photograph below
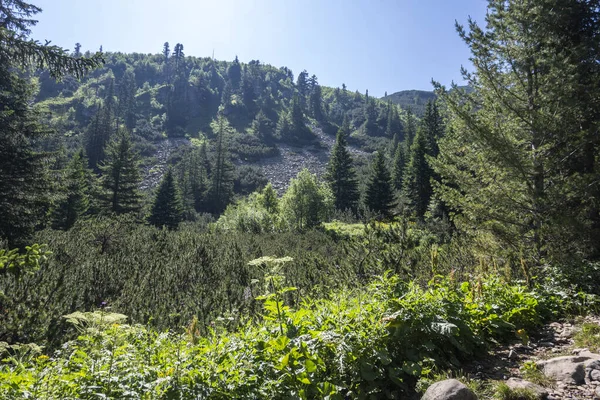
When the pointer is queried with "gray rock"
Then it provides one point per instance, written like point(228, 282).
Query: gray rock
point(516, 383)
point(449, 389)
point(592, 371)
point(567, 369)
point(546, 344)
point(597, 392)
point(512, 355)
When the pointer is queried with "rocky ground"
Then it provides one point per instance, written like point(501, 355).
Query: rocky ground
point(292, 159)
point(153, 173)
point(550, 359)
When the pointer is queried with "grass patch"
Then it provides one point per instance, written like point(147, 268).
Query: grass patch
point(503, 392)
point(588, 336)
point(533, 374)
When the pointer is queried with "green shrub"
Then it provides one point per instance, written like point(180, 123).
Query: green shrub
point(375, 342)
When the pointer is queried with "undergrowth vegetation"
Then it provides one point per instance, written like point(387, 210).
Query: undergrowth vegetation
point(378, 341)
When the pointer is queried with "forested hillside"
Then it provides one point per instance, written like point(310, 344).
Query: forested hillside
point(415, 100)
point(181, 227)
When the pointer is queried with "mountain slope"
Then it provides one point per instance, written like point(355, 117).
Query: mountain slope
point(415, 100)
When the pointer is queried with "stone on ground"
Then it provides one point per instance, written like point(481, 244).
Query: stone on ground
point(568, 369)
point(449, 389)
point(516, 383)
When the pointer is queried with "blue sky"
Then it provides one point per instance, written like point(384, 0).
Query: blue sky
point(380, 45)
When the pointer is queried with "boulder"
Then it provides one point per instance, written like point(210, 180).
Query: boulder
point(516, 383)
point(449, 389)
point(592, 371)
point(568, 369)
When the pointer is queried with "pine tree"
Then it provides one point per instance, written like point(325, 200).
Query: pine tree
point(316, 103)
point(234, 73)
point(302, 85)
point(179, 57)
point(193, 178)
point(263, 127)
point(398, 166)
point(166, 52)
point(370, 126)
point(127, 102)
point(121, 176)
point(221, 180)
point(417, 175)
point(393, 124)
point(24, 183)
point(177, 105)
point(411, 128)
point(341, 176)
point(167, 61)
point(77, 193)
point(298, 131)
point(167, 209)
point(97, 136)
point(379, 194)
point(433, 126)
point(77, 52)
point(517, 159)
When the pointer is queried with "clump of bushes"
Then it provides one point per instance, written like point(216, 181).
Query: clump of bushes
point(377, 341)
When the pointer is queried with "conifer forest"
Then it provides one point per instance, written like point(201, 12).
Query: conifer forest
point(183, 227)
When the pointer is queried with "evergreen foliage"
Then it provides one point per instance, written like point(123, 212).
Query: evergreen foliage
point(519, 161)
point(221, 176)
point(24, 184)
point(341, 176)
point(193, 176)
point(167, 209)
point(417, 175)
point(98, 135)
point(379, 196)
point(121, 176)
point(77, 190)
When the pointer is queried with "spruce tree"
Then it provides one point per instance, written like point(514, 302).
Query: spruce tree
point(127, 102)
point(303, 88)
point(379, 194)
point(370, 126)
point(221, 180)
point(316, 103)
point(121, 176)
point(193, 177)
point(76, 191)
point(433, 125)
point(167, 209)
point(519, 159)
point(234, 73)
point(97, 136)
point(24, 183)
point(417, 175)
point(263, 127)
point(295, 129)
point(393, 124)
point(411, 128)
point(341, 176)
point(179, 58)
